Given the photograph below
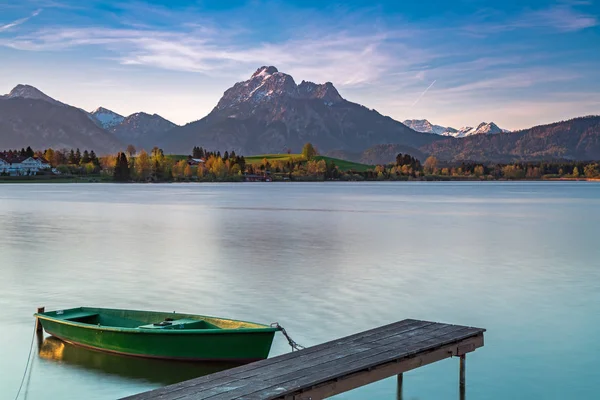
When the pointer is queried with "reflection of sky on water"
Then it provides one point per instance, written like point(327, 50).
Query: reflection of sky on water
point(325, 260)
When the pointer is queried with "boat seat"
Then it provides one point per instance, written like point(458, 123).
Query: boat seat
point(81, 316)
point(184, 323)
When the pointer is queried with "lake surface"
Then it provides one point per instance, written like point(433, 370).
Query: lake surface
point(325, 260)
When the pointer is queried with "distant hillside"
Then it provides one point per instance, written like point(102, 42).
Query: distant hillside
point(575, 139)
point(386, 153)
point(342, 164)
point(42, 124)
point(143, 130)
point(378, 154)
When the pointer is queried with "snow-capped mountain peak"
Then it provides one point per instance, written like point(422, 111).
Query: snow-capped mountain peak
point(264, 72)
point(30, 92)
point(107, 118)
point(422, 125)
point(484, 128)
point(267, 84)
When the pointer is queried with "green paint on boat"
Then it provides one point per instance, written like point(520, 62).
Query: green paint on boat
point(160, 335)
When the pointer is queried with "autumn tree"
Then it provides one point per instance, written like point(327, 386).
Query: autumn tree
point(143, 165)
point(179, 169)
point(201, 171)
point(591, 171)
point(217, 167)
point(89, 168)
point(158, 164)
point(430, 165)
point(308, 151)
point(49, 155)
point(131, 150)
point(187, 171)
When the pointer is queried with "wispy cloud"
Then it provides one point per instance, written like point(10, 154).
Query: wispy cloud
point(345, 57)
point(563, 17)
point(19, 21)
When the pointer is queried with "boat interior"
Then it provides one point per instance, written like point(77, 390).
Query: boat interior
point(146, 319)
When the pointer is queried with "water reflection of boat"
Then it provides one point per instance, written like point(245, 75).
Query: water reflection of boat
point(152, 370)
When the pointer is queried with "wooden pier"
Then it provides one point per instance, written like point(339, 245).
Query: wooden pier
point(334, 367)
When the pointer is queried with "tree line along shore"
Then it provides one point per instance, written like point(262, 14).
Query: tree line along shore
point(210, 166)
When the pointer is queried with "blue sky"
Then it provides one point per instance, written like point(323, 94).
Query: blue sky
point(517, 63)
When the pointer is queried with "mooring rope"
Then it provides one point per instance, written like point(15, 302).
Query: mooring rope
point(293, 344)
point(27, 364)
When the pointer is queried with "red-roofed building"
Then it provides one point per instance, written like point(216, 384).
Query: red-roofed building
point(16, 165)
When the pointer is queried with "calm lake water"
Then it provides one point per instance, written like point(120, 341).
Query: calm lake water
point(325, 260)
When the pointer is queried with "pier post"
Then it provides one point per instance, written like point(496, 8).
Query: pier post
point(463, 360)
point(38, 325)
point(399, 389)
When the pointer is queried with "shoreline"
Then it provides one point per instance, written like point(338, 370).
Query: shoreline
point(46, 180)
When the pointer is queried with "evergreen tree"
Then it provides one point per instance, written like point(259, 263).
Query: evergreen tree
point(71, 159)
point(29, 152)
point(242, 163)
point(94, 158)
point(22, 153)
point(85, 158)
point(226, 155)
point(77, 159)
point(121, 173)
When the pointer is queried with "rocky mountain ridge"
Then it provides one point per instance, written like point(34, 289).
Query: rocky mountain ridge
point(270, 113)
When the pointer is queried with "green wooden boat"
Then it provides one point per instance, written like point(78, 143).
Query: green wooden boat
point(160, 335)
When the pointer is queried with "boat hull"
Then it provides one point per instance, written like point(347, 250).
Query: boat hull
point(242, 345)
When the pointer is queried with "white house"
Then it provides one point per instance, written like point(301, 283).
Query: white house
point(20, 166)
point(32, 165)
point(4, 166)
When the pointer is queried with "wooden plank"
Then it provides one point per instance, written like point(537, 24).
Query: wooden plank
point(384, 371)
point(229, 389)
point(279, 380)
point(282, 362)
point(395, 346)
point(247, 370)
point(351, 364)
point(301, 365)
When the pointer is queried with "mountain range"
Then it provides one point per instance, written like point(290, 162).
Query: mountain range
point(422, 125)
point(270, 113)
point(29, 117)
point(575, 139)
